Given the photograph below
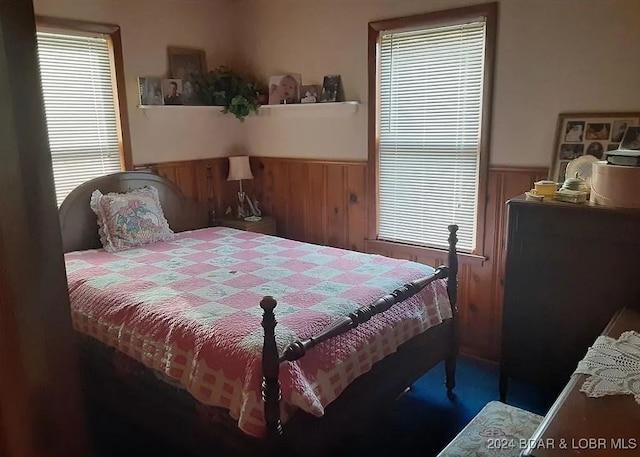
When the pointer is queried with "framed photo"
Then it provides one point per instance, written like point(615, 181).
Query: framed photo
point(188, 65)
point(150, 90)
point(185, 63)
point(631, 139)
point(580, 134)
point(284, 89)
point(309, 94)
point(331, 88)
point(172, 92)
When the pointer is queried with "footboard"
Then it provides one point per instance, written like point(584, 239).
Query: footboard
point(271, 359)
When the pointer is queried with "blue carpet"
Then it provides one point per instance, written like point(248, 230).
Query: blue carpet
point(425, 419)
point(422, 422)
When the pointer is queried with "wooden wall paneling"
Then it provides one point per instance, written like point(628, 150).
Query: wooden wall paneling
point(282, 202)
point(299, 200)
point(336, 206)
point(271, 185)
point(187, 181)
point(263, 184)
point(507, 183)
point(317, 203)
point(168, 172)
point(357, 211)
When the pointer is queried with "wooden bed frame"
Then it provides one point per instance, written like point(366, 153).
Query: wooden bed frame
point(360, 403)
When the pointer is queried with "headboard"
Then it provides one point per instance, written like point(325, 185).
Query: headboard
point(78, 221)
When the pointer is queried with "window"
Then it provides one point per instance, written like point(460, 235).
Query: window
point(81, 106)
point(431, 127)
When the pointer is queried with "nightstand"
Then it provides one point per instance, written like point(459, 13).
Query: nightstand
point(266, 225)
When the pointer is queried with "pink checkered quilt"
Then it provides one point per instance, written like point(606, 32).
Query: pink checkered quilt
point(188, 309)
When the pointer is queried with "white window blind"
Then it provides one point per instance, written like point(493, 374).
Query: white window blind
point(431, 86)
point(82, 120)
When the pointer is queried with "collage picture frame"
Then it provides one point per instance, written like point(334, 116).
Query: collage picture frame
point(580, 134)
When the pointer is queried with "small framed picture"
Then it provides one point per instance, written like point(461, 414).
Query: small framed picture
point(331, 88)
point(172, 92)
point(309, 94)
point(631, 139)
point(186, 63)
point(284, 89)
point(595, 149)
point(598, 131)
point(618, 130)
point(589, 134)
point(150, 90)
point(574, 132)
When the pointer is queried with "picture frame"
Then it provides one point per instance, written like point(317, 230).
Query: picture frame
point(188, 65)
point(172, 89)
point(580, 134)
point(310, 93)
point(331, 89)
point(631, 139)
point(284, 89)
point(186, 62)
point(150, 91)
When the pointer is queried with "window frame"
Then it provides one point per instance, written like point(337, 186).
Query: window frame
point(64, 25)
point(489, 11)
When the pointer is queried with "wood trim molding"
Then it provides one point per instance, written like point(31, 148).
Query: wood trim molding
point(526, 170)
point(63, 24)
point(488, 11)
point(408, 249)
point(362, 163)
point(372, 132)
point(121, 100)
point(436, 17)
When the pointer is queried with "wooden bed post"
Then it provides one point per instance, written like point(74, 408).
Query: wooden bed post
point(270, 370)
point(452, 290)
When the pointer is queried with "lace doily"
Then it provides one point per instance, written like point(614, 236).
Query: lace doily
point(613, 366)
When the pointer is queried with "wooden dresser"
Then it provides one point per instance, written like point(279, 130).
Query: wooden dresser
point(591, 427)
point(568, 269)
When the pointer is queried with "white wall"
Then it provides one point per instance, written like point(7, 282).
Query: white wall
point(147, 28)
point(552, 56)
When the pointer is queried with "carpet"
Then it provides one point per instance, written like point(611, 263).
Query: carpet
point(426, 419)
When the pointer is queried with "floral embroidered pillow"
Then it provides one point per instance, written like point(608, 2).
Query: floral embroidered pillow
point(130, 219)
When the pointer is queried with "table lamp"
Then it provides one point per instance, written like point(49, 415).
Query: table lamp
point(239, 169)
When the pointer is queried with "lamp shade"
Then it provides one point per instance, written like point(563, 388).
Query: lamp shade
point(239, 168)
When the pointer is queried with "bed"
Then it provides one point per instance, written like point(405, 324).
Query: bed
point(228, 340)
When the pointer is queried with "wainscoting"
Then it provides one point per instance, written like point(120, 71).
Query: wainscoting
point(326, 203)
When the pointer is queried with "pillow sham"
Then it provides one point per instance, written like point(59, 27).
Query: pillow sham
point(130, 219)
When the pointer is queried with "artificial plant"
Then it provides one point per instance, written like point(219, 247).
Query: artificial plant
point(238, 94)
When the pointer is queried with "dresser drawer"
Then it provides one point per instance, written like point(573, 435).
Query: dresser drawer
point(587, 225)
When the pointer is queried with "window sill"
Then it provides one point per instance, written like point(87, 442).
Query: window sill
point(378, 246)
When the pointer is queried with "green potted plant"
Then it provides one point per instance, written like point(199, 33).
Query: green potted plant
point(225, 87)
